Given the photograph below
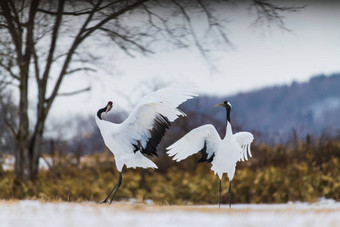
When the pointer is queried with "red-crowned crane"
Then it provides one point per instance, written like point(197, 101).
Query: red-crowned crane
point(222, 153)
point(143, 130)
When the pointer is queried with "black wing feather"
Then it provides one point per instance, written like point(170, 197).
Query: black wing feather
point(204, 153)
point(160, 125)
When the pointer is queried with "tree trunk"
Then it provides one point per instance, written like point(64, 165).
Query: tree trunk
point(35, 151)
point(35, 148)
point(22, 154)
point(28, 150)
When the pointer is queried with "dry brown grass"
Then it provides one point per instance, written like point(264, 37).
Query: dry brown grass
point(274, 175)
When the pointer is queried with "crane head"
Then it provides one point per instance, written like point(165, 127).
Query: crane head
point(224, 104)
point(108, 107)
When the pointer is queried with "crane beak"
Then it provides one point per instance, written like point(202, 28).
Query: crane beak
point(109, 107)
point(221, 104)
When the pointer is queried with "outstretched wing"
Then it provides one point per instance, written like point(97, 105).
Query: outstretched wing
point(244, 139)
point(204, 139)
point(146, 125)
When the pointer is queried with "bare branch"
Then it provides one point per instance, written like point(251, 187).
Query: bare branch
point(4, 84)
point(30, 31)
point(53, 41)
point(75, 92)
point(80, 12)
point(213, 22)
point(3, 25)
point(15, 35)
point(76, 13)
point(113, 35)
point(36, 66)
point(100, 24)
point(164, 27)
point(271, 12)
point(7, 108)
point(16, 16)
point(8, 68)
point(80, 69)
point(59, 56)
point(50, 167)
point(192, 30)
point(11, 128)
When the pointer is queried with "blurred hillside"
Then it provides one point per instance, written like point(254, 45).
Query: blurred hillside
point(312, 107)
point(281, 112)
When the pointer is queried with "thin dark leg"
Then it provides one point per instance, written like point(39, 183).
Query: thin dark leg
point(229, 194)
point(219, 201)
point(118, 185)
point(114, 188)
point(105, 200)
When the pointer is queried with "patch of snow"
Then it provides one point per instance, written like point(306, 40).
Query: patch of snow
point(300, 206)
point(35, 213)
point(325, 201)
point(8, 162)
point(148, 202)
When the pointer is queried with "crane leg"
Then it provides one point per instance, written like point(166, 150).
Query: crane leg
point(229, 194)
point(219, 200)
point(115, 189)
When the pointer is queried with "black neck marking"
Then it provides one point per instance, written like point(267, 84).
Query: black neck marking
point(228, 113)
point(100, 111)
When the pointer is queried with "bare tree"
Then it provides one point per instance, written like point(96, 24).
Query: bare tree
point(41, 41)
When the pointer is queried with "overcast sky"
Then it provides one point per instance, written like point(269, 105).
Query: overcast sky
point(259, 58)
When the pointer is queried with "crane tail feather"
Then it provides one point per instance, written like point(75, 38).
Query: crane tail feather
point(249, 151)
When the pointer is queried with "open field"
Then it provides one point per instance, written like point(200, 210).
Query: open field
point(35, 213)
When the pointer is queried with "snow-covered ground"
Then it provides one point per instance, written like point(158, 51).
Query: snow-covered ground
point(34, 213)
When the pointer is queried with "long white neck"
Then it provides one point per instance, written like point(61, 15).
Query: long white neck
point(100, 123)
point(229, 130)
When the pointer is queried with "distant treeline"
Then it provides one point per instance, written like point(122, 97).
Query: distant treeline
point(311, 107)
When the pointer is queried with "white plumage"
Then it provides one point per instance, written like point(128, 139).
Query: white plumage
point(142, 131)
point(222, 153)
